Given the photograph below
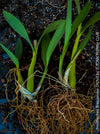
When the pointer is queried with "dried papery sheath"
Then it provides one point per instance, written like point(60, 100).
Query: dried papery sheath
point(26, 93)
point(35, 43)
point(60, 77)
point(67, 86)
point(37, 90)
point(66, 75)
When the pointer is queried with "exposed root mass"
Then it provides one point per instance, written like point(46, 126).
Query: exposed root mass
point(56, 111)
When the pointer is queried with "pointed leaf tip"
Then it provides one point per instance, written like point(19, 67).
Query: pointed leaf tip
point(11, 55)
point(17, 26)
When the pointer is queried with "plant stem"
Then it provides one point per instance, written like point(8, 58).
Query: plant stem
point(72, 74)
point(20, 79)
point(43, 76)
point(30, 81)
point(62, 59)
point(75, 45)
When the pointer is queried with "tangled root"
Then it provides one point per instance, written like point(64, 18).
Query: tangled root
point(56, 112)
point(65, 113)
point(31, 117)
point(71, 112)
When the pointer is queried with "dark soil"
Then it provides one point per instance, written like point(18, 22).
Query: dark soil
point(36, 15)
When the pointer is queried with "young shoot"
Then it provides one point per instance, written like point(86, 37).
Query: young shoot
point(70, 72)
point(14, 60)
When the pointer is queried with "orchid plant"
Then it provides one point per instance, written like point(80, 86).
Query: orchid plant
point(70, 28)
point(29, 90)
point(48, 45)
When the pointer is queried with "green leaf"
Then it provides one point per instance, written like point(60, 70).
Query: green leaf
point(44, 45)
point(67, 35)
point(11, 55)
point(80, 18)
point(68, 22)
point(85, 41)
point(77, 2)
point(91, 21)
point(19, 49)
point(54, 41)
point(50, 28)
point(17, 26)
point(81, 47)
